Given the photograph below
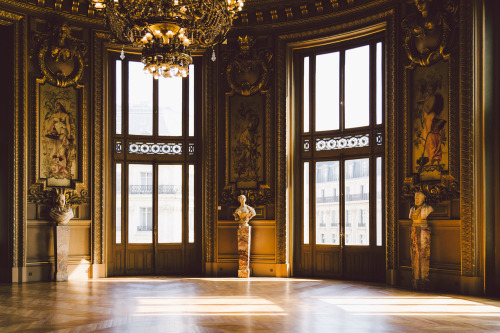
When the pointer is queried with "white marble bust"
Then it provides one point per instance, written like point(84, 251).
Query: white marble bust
point(244, 212)
point(61, 213)
point(421, 210)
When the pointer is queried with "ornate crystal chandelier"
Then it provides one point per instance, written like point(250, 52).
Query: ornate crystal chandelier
point(168, 30)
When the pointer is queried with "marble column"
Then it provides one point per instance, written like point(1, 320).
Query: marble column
point(61, 252)
point(244, 250)
point(420, 254)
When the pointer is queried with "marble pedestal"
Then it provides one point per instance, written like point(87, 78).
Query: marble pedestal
point(61, 252)
point(244, 250)
point(420, 254)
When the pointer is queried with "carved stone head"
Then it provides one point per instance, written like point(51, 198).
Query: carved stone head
point(242, 199)
point(61, 200)
point(419, 198)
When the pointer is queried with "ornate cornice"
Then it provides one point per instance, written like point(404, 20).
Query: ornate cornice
point(77, 14)
point(314, 13)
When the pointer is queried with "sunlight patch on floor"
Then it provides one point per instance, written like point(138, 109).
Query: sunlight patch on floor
point(230, 305)
point(412, 306)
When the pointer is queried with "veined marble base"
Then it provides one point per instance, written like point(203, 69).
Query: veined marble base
point(244, 251)
point(420, 254)
point(62, 250)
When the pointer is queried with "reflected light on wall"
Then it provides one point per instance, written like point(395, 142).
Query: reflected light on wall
point(231, 305)
point(413, 306)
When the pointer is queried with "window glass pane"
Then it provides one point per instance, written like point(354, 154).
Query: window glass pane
point(140, 203)
point(170, 106)
point(327, 202)
point(357, 87)
point(191, 99)
point(191, 203)
point(140, 99)
point(306, 202)
point(169, 203)
point(379, 84)
point(118, 95)
point(118, 203)
point(379, 201)
point(306, 94)
point(357, 201)
point(327, 91)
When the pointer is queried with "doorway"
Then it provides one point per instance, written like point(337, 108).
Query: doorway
point(156, 226)
point(339, 228)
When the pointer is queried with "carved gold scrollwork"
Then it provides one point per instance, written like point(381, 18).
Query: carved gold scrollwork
point(263, 196)
point(61, 58)
point(435, 192)
point(429, 31)
point(38, 195)
point(248, 72)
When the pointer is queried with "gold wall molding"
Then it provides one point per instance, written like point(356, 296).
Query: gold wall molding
point(20, 141)
point(98, 202)
point(210, 165)
point(391, 149)
point(296, 40)
point(468, 232)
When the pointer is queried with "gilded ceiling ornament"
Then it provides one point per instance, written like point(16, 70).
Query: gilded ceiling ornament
point(248, 72)
point(61, 58)
point(429, 31)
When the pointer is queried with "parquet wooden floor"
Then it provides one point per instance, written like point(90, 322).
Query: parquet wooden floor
point(162, 304)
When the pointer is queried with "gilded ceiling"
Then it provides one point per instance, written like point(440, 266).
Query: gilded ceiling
point(255, 12)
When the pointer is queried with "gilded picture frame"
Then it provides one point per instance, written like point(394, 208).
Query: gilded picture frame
point(430, 121)
point(431, 130)
point(59, 138)
point(248, 148)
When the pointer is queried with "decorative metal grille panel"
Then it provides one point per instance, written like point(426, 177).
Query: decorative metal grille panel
point(347, 142)
point(118, 147)
point(307, 145)
point(143, 148)
point(379, 139)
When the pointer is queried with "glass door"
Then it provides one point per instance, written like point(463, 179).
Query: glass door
point(340, 227)
point(156, 225)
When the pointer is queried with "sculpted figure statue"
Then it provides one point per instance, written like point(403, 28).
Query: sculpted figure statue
point(243, 213)
point(61, 213)
point(421, 210)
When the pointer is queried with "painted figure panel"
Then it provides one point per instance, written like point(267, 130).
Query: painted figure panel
point(246, 140)
point(58, 135)
point(430, 121)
